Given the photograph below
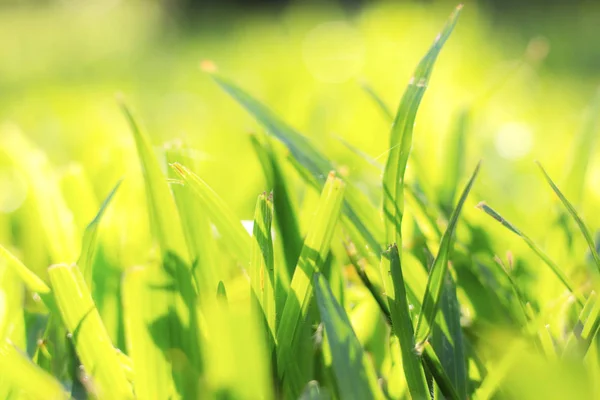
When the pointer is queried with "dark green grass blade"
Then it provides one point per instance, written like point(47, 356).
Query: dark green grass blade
point(584, 230)
point(373, 95)
point(26, 378)
point(314, 166)
point(89, 335)
point(285, 216)
point(227, 224)
point(437, 370)
point(454, 160)
point(262, 268)
point(402, 326)
point(356, 378)
point(90, 238)
point(583, 147)
point(401, 137)
point(294, 318)
point(435, 281)
point(539, 252)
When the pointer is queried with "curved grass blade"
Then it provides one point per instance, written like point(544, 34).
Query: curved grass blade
point(543, 256)
point(90, 237)
point(354, 372)
point(584, 230)
point(25, 377)
point(401, 136)
point(385, 110)
point(227, 224)
point(402, 326)
point(91, 340)
point(31, 280)
point(435, 281)
point(294, 318)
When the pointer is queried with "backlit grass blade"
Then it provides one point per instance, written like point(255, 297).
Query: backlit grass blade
point(227, 224)
point(435, 281)
point(540, 253)
point(402, 326)
point(453, 163)
point(582, 150)
point(439, 373)
point(354, 372)
point(294, 317)
point(143, 308)
point(585, 328)
point(31, 280)
point(90, 237)
point(385, 110)
point(90, 338)
point(401, 136)
point(26, 378)
point(584, 230)
point(262, 269)
point(357, 209)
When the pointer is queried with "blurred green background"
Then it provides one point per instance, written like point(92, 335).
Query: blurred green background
point(528, 73)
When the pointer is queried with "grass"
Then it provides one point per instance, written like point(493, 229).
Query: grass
point(341, 289)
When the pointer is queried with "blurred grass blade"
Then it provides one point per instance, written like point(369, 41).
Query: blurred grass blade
point(582, 150)
point(262, 273)
point(25, 377)
point(294, 316)
point(435, 281)
point(584, 230)
point(585, 328)
point(354, 372)
point(401, 136)
point(227, 224)
point(402, 326)
point(143, 307)
point(543, 256)
point(373, 95)
point(89, 335)
point(90, 237)
point(498, 373)
point(453, 163)
point(31, 280)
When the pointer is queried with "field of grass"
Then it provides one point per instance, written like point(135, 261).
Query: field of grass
point(310, 204)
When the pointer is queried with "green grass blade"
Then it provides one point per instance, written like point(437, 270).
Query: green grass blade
point(24, 376)
point(402, 326)
point(31, 280)
point(583, 146)
point(435, 281)
point(143, 307)
point(90, 237)
point(354, 372)
point(89, 335)
point(585, 328)
point(262, 269)
point(227, 224)
point(373, 95)
point(454, 160)
point(294, 316)
point(437, 370)
point(584, 230)
point(539, 252)
point(401, 136)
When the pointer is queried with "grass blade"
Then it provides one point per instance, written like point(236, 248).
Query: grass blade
point(89, 335)
point(294, 316)
point(31, 280)
point(227, 224)
point(402, 326)
point(454, 160)
point(385, 110)
point(354, 371)
point(585, 328)
point(401, 136)
point(543, 256)
point(584, 230)
point(436, 368)
point(24, 376)
point(435, 281)
point(90, 237)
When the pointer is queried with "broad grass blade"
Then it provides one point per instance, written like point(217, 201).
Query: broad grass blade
point(26, 378)
point(439, 373)
point(31, 280)
point(435, 281)
point(227, 224)
point(584, 230)
point(90, 238)
point(294, 319)
point(90, 338)
point(401, 137)
point(356, 378)
point(143, 309)
point(540, 253)
point(402, 326)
